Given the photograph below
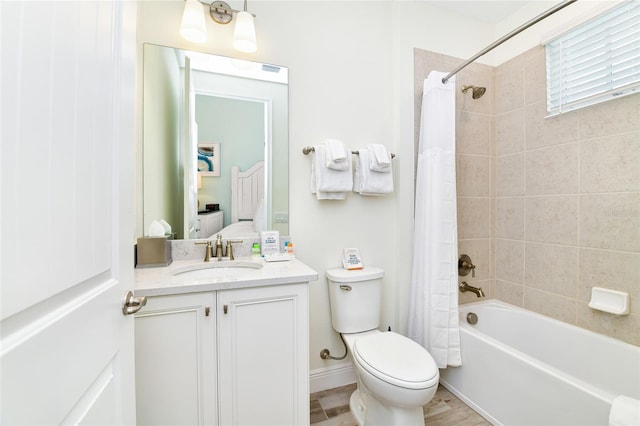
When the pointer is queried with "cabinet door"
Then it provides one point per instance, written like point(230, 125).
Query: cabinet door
point(175, 360)
point(200, 224)
point(216, 222)
point(263, 373)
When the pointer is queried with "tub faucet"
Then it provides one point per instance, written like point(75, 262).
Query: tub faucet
point(464, 287)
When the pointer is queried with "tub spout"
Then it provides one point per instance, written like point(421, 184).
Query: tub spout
point(464, 287)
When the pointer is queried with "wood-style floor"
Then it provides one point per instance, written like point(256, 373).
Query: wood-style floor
point(331, 408)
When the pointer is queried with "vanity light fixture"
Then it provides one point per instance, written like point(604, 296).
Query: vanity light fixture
point(193, 28)
point(244, 34)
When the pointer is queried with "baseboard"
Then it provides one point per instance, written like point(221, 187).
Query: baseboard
point(331, 377)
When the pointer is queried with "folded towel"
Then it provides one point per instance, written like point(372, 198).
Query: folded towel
point(625, 411)
point(320, 195)
point(331, 195)
point(380, 161)
point(370, 182)
point(336, 154)
point(329, 184)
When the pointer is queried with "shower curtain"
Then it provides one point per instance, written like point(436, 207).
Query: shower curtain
point(433, 310)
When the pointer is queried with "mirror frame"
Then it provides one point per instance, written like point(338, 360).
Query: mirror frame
point(271, 154)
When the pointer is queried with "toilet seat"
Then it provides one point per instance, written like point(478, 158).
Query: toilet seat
point(396, 360)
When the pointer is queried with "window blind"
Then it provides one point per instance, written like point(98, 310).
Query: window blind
point(596, 61)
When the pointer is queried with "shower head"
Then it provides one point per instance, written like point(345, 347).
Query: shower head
point(477, 91)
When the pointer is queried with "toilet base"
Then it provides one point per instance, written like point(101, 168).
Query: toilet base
point(369, 412)
point(357, 407)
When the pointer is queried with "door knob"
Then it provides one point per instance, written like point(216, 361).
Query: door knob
point(131, 304)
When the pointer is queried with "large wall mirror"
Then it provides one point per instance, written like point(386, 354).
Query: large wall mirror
point(208, 119)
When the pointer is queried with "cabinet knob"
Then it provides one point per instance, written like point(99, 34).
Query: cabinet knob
point(225, 308)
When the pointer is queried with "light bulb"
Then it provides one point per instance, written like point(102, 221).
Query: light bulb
point(192, 27)
point(244, 33)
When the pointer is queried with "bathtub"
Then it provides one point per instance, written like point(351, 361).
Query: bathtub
point(522, 368)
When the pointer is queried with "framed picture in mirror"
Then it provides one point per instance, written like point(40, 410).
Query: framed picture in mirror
point(208, 159)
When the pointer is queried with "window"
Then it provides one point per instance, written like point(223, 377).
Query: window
point(595, 62)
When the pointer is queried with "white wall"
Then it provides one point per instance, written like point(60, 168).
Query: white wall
point(557, 23)
point(163, 83)
point(351, 77)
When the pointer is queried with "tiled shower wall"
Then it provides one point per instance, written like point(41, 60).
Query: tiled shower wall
point(567, 201)
point(547, 207)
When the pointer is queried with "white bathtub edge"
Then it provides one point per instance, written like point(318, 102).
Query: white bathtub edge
point(470, 403)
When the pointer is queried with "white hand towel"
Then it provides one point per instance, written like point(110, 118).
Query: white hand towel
point(326, 183)
point(320, 195)
point(367, 181)
point(625, 411)
point(336, 154)
point(380, 160)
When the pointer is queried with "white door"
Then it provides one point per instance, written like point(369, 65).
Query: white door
point(67, 135)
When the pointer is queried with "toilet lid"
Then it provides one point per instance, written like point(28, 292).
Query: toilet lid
point(397, 360)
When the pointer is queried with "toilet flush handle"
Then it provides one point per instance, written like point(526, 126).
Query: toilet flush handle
point(345, 287)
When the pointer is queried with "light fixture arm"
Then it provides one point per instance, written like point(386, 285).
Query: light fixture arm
point(221, 12)
point(193, 27)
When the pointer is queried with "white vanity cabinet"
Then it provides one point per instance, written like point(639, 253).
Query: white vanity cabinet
point(263, 357)
point(209, 223)
point(175, 353)
point(226, 357)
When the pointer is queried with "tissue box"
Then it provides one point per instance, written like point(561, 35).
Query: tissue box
point(153, 251)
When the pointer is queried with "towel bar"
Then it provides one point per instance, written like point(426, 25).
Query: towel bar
point(307, 149)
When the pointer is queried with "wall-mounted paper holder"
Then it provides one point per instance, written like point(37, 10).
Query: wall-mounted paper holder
point(612, 301)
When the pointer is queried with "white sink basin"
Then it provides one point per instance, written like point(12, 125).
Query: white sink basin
point(216, 269)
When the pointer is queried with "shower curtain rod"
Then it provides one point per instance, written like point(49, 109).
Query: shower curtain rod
point(508, 36)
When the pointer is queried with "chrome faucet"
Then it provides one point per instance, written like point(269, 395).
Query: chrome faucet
point(464, 287)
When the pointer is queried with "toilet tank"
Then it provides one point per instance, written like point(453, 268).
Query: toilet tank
point(355, 298)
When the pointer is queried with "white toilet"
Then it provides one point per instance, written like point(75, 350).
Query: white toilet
point(395, 375)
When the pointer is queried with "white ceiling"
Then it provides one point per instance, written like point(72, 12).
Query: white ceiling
point(490, 12)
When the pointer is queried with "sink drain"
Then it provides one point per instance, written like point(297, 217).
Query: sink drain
point(472, 318)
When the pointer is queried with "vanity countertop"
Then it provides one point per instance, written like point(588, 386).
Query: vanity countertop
point(161, 281)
